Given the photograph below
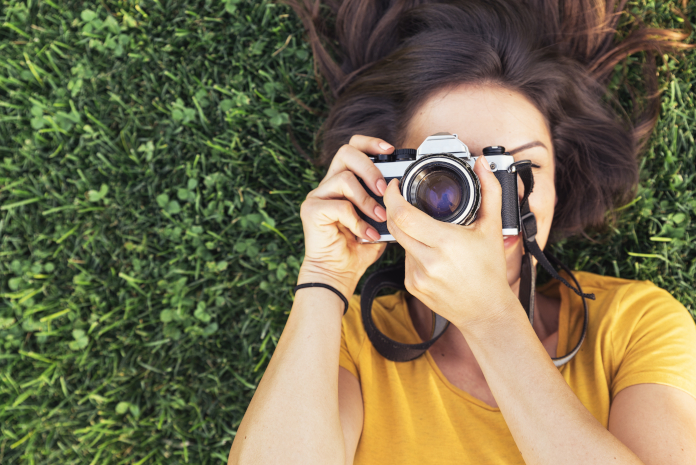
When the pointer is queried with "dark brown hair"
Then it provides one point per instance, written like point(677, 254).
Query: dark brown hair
point(393, 54)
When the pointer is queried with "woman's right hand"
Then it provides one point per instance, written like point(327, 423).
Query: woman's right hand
point(331, 224)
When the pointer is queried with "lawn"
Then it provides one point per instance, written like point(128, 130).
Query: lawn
point(154, 155)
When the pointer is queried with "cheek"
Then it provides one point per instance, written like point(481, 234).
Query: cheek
point(543, 202)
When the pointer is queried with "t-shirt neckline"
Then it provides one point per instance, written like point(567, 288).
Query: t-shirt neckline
point(561, 346)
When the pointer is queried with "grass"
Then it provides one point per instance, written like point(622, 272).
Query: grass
point(154, 156)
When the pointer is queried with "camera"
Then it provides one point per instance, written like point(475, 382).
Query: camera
point(438, 178)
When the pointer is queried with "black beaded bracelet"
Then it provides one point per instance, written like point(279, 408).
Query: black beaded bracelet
point(325, 286)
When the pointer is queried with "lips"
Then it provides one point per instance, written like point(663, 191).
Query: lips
point(510, 241)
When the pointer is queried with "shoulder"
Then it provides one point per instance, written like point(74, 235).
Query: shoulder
point(625, 299)
point(635, 320)
point(611, 286)
point(627, 315)
point(650, 337)
point(637, 333)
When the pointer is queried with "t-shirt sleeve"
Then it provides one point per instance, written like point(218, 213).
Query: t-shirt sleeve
point(654, 340)
point(352, 337)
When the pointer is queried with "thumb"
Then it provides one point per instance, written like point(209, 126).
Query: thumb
point(489, 214)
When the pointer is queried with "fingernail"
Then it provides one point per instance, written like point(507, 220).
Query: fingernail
point(373, 234)
point(381, 186)
point(385, 146)
point(486, 164)
point(381, 213)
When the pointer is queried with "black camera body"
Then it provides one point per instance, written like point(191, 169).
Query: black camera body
point(438, 178)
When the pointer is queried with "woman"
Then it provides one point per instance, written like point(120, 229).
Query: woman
point(528, 77)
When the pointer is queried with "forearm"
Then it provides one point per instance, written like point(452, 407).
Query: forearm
point(547, 420)
point(293, 416)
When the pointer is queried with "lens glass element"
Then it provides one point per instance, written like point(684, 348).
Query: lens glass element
point(439, 193)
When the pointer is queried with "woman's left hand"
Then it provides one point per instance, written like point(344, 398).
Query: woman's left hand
point(458, 271)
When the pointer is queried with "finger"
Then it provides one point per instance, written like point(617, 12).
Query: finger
point(489, 214)
point(415, 276)
point(404, 217)
point(346, 185)
point(353, 159)
point(370, 145)
point(339, 213)
point(407, 242)
point(411, 267)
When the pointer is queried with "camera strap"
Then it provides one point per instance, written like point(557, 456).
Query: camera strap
point(393, 277)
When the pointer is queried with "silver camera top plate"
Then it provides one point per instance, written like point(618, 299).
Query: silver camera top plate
point(443, 142)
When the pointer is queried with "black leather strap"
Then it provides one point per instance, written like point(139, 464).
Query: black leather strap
point(560, 361)
point(527, 283)
point(530, 245)
point(523, 168)
point(393, 277)
point(528, 272)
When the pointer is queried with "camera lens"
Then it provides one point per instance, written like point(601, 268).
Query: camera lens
point(439, 193)
point(443, 186)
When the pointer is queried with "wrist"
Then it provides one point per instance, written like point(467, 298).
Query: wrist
point(345, 283)
point(501, 311)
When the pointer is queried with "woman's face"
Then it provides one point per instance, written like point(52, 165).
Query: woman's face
point(486, 115)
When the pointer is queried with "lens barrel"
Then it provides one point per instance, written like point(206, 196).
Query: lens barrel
point(443, 186)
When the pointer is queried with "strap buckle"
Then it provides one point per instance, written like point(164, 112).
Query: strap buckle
point(529, 226)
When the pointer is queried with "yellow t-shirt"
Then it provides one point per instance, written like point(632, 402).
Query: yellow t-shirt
point(638, 333)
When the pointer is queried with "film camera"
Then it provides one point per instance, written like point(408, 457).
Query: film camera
point(438, 178)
